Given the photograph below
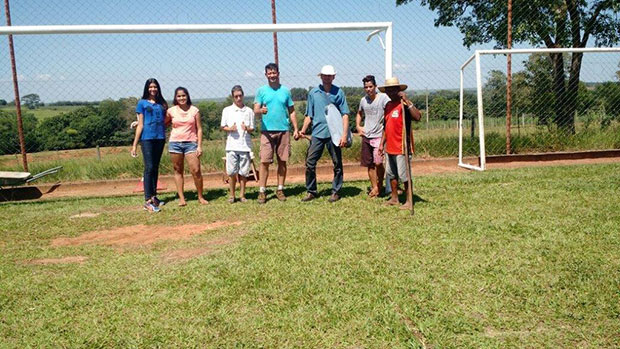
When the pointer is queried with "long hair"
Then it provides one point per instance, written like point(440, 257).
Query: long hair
point(180, 88)
point(159, 99)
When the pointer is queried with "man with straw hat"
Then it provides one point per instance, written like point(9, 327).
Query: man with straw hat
point(397, 137)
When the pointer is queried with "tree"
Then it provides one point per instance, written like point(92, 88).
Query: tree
point(9, 135)
point(608, 94)
point(84, 127)
point(3, 102)
point(211, 114)
point(539, 80)
point(32, 101)
point(57, 132)
point(444, 108)
point(618, 73)
point(552, 23)
point(299, 94)
point(495, 94)
point(521, 94)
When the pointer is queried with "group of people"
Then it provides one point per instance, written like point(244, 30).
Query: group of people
point(383, 120)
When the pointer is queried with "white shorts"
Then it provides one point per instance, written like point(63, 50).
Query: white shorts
point(238, 162)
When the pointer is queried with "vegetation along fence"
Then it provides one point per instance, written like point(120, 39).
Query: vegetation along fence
point(78, 92)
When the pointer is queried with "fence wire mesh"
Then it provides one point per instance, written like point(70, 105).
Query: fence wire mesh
point(544, 118)
point(78, 92)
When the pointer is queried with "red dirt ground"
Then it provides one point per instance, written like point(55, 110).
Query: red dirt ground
point(139, 235)
point(352, 171)
point(143, 235)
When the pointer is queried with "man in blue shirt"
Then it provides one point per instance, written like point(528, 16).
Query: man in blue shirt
point(274, 105)
point(318, 98)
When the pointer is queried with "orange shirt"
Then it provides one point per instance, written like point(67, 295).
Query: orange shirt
point(183, 124)
point(394, 128)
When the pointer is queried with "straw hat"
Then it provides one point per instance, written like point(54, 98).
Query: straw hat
point(393, 81)
point(327, 70)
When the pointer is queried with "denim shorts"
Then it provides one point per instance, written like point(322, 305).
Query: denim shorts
point(182, 147)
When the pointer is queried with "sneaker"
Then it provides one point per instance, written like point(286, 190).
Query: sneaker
point(149, 206)
point(262, 197)
point(280, 195)
point(231, 200)
point(308, 197)
point(158, 202)
point(335, 197)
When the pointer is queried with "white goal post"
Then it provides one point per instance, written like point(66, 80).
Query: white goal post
point(476, 57)
point(375, 28)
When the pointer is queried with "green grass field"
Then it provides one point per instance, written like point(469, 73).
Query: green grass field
point(510, 258)
point(42, 113)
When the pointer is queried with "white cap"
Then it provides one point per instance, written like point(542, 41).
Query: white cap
point(328, 70)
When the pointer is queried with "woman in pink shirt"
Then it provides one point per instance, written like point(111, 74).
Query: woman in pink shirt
point(185, 141)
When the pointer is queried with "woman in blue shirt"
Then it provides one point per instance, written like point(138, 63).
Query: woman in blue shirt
point(151, 132)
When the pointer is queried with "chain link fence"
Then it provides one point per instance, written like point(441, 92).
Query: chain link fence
point(78, 92)
point(543, 117)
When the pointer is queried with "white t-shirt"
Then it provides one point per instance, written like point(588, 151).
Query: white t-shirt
point(240, 140)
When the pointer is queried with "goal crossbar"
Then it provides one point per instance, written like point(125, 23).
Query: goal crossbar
point(374, 27)
point(476, 57)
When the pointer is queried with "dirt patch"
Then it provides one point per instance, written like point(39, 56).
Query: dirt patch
point(63, 260)
point(207, 248)
point(140, 235)
point(85, 215)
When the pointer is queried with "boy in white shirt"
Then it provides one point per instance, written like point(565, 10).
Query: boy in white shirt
point(238, 122)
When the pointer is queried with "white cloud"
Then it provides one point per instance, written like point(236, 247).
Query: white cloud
point(401, 66)
point(44, 77)
point(248, 74)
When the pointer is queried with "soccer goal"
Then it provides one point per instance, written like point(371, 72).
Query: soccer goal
point(563, 99)
point(65, 66)
point(374, 28)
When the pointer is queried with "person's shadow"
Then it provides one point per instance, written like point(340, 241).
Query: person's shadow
point(344, 192)
point(271, 192)
point(209, 194)
point(214, 194)
point(416, 198)
point(294, 191)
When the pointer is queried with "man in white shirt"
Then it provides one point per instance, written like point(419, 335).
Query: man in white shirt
point(238, 122)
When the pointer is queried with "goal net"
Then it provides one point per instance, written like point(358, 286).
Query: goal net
point(562, 100)
point(64, 69)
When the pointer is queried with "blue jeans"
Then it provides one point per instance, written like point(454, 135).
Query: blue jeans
point(314, 154)
point(151, 154)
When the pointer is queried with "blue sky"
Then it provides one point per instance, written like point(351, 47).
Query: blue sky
point(95, 67)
